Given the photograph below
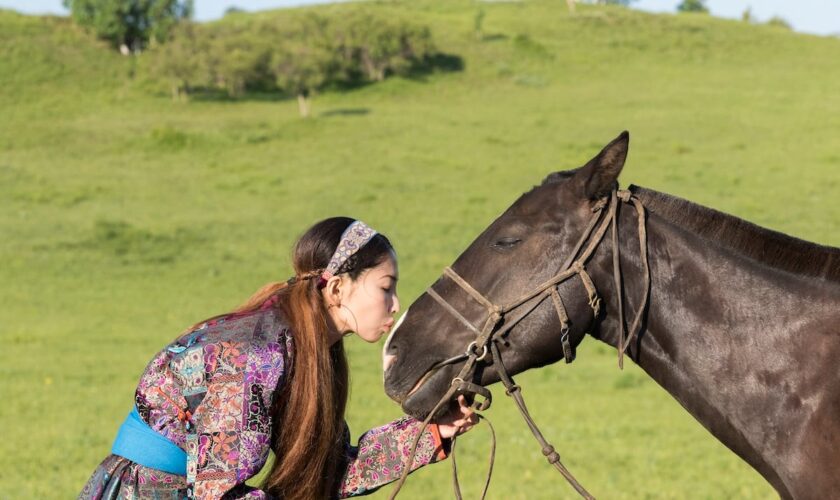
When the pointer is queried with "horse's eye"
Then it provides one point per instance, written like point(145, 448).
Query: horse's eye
point(506, 243)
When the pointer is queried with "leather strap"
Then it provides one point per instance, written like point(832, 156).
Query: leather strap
point(477, 350)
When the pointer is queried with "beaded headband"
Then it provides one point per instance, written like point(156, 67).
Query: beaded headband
point(352, 240)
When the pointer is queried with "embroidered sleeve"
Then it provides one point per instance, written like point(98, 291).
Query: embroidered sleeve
point(381, 453)
point(229, 439)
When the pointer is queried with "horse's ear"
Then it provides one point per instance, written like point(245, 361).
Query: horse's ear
point(600, 175)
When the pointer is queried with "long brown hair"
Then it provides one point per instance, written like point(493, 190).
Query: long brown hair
point(308, 406)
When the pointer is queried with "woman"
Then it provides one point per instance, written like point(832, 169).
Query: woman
point(273, 375)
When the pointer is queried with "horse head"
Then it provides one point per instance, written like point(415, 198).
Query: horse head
point(523, 248)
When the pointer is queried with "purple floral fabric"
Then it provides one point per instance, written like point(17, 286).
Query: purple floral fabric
point(209, 392)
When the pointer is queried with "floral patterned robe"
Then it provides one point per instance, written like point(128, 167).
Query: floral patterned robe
point(209, 392)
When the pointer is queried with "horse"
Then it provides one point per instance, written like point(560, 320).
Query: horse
point(740, 324)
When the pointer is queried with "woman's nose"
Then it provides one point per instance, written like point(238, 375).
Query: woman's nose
point(395, 308)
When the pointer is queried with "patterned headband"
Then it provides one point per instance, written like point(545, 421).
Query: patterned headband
point(352, 240)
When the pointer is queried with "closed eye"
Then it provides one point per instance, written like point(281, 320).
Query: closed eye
point(506, 243)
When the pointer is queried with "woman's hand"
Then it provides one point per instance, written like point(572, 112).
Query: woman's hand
point(458, 421)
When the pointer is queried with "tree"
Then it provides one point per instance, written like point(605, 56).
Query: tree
point(478, 23)
point(304, 60)
point(129, 24)
point(239, 58)
point(382, 46)
point(183, 61)
point(692, 6)
point(747, 15)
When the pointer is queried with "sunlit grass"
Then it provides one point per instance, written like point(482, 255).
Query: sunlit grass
point(126, 216)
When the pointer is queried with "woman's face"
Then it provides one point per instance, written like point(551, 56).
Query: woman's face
point(369, 303)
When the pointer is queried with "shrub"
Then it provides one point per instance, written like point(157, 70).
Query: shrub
point(779, 22)
point(299, 54)
point(692, 6)
point(183, 62)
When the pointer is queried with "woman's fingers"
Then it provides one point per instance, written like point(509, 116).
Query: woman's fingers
point(462, 403)
point(464, 428)
point(464, 407)
point(469, 417)
point(467, 420)
point(458, 420)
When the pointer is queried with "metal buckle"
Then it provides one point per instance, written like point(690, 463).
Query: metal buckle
point(568, 352)
point(471, 351)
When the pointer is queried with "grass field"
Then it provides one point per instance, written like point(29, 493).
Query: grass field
point(126, 217)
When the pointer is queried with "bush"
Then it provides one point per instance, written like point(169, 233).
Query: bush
point(372, 48)
point(183, 63)
point(779, 22)
point(305, 61)
point(299, 55)
point(692, 6)
point(238, 59)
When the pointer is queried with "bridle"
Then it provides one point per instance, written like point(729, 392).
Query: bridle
point(488, 336)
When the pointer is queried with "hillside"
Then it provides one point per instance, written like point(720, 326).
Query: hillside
point(127, 216)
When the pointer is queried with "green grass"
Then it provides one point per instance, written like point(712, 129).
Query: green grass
point(126, 216)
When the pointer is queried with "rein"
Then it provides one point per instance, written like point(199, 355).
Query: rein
point(486, 339)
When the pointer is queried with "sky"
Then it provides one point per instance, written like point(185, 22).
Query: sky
point(819, 17)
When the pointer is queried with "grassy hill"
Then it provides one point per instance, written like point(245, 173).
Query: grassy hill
point(127, 216)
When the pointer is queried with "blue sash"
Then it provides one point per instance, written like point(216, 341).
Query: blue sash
point(143, 445)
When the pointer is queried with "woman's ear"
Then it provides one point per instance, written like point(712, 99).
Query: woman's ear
point(332, 291)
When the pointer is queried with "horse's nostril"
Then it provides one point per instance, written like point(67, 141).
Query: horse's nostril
point(389, 350)
point(387, 361)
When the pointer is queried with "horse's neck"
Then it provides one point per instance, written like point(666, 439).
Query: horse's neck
point(706, 294)
point(722, 333)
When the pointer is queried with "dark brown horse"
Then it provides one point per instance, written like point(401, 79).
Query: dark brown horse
point(741, 325)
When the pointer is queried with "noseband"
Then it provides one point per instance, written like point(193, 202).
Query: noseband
point(487, 337)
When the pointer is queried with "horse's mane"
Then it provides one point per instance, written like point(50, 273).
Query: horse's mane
point(769, 247)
